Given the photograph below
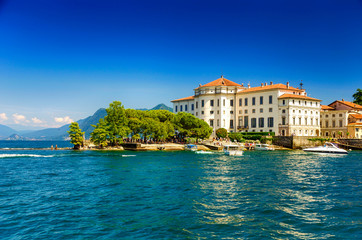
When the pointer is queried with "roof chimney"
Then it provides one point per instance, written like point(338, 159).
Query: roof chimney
point(271, 83)
point(265, 84)
point(262, 84)
point(242, 84)
point(287, 84)
point(248, 85)
point(200, 85)
point(342, 100)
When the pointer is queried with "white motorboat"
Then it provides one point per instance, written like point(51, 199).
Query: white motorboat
point(233, 150)
point(326, 148)
point(203, 152)
point(191, 147)
point(263, 147)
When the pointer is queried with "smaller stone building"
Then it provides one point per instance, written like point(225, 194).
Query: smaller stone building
point(340, 119)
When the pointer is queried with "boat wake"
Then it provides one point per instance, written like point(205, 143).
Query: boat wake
point(128, 155)
point(23, 155)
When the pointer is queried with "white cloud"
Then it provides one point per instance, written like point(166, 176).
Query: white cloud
point(18, 118)
point(3, 117)
point(36, 120)
point(65, 119)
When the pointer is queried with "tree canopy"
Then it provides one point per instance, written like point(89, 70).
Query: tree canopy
point(358, 96)
point(76, 135)
point(221, 133)
point(158, 125)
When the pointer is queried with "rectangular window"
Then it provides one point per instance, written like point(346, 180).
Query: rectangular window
point(218, 123)
point(231, 103)
point(261, 100)
point(253, 123)
point(218, 102)
point(211, 103)
point(270, 99)
point(333, 123)
point(240, 121)
point(192, 107)
point(246, 121)
point(253, 101)
point(284, 102)
point(246, 111)
point(253, 110)
point(211, 122)
point(293, 121)
point(270, 109)
point(180, 108)
point(327, 124)
point(202, 112)
point(186, 108)
point(306, 121)
point(202, 103)
point(283, 120)
point(223, 102)
point(231, 123)
point(197, 104)
point(240, 102)
point(340, 123)
point(176, 109)
point(211, 112)
point(246, 102)
point(261, 110)
point(231, 112)
point(271, 122)
point(261, 122)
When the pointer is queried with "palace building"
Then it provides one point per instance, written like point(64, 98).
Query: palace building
point(341, 119)
point(277, 108)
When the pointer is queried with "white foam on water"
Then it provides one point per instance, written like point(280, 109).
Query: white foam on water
point(23, 155)
point(128, 155)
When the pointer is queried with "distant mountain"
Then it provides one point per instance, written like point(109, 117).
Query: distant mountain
point(162, 107)
point(16, 137)
point(6, 131)
point(61, 133)
point(158, 107)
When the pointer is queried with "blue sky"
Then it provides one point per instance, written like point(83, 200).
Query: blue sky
point(61, 60)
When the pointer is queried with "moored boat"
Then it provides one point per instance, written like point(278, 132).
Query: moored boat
point(326, 148)
point(263, 147)
point(233, 150)
point(191, 147)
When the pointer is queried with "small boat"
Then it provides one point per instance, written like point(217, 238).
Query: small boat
point(203, 152)
point(263, 147)
point(233, 150)
point(191, 147)
point(326, 148)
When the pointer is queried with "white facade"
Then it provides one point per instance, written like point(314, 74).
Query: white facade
point(275, 108)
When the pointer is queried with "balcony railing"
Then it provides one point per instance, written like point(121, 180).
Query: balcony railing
point(243, 127)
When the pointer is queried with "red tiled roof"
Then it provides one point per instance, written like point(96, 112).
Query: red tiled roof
point(357, 116)
point(221, 82)
point(349, 104)
point(355, 124)
point(183, 99)
point(325, 107)
point(269, 87)
point(286, 95)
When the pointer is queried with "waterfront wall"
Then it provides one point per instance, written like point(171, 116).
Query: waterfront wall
point(294, 142)
point(355, 143)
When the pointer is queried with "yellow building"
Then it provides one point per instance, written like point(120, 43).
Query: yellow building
point(337, 119)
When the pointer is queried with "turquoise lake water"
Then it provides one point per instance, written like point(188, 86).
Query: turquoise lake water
point(48, 194)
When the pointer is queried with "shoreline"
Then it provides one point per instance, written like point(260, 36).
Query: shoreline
point(135, 147)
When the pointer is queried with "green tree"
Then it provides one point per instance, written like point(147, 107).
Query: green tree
point(358, 96)
point(76, 135)
point(189, 126)
point(100, 134)
point(116, 122)
point(221, 133)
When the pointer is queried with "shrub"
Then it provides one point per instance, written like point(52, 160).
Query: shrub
point(221, 133)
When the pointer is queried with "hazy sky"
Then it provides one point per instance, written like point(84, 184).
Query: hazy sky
point(61, 60)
